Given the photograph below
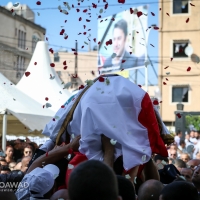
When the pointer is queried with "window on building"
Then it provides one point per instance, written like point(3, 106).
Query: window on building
point(21, 39)
point(20, 64)
point(35, 39)
point(179, 49)
point(180, 6)
point(56, 57)
point(180, 94)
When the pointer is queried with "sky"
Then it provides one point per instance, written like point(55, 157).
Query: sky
point(48, 16)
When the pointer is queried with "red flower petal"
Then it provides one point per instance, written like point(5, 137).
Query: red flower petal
point(52, 65)
point(140, 86)
point(168, 14)
point(164, 83)
point(139, 13)
point(101, 79)
point(82, 47)
point(65, 21)
point(43, 106)
point(66, 37)
point(84, 33)
point(47, 39)
point(106, 6)
point(155, 102)
point(130, 52)
point(131, 11)
point(38, 3)
point(94, 39)
point(188, 69)
point(171, 59)
point(160, 9)
point(46, 98)
point(87, 20)
point(187, 20)
point(192, 4)
point(152, 13)
point(121, 1)
point(123, 61)
point(178, 115)
point(166, 67)
point(167, 79)
point(155, 28)
point(62, 106)
point(152, 45)
point(64, 63)
point(47, 154)
point(27, 74)
point(160, 101)
point(80, 19)
point(65, 67)
point(94, 5)
point(73, 49)
point(84, 26)
point(54, 119)
point(92, 72)
point(75, 53)
point(85, 10)
point(35, 63)
point(77, 10)
point(81, 87)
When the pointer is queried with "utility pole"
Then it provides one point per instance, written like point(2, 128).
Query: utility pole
point(76, 65)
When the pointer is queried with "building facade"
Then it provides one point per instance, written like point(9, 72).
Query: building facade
point(179, 68)
point(18, 37)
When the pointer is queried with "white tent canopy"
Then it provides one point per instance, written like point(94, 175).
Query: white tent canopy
point(38, 84)
point(28, 111)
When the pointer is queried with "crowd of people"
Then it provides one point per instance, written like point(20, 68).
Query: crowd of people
point(41, 174)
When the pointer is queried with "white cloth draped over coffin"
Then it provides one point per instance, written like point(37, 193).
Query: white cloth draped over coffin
point(111, 110)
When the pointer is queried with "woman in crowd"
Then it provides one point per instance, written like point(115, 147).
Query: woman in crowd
point(9, 154)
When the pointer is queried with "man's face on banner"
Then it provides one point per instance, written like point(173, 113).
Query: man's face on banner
point(119, 41)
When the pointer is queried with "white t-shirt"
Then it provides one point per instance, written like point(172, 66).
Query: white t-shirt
point(177, 140)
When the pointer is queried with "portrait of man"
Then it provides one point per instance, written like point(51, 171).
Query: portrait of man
point(121, 58)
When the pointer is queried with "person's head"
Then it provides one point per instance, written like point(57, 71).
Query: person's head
point(41, 181)
point(198, 156)
point(196, 135)
point(185, 157)
point(182, 143)
point(126, 189)
point(187, 136)
point(171, 161)
point(25, 161)
point(3, 163)
point(179, 133)
point(9, 151)
point(18, 144)
point(28, 151)
point(192, 134)
point(93, 180)
point(179, 164)
point(196, 177)
point(193, 163)
point(173, 154)
point(173, 147)
point(179, 190)
point(120, 33)
point(60, 194)
point(150, 190)
point(187, 173)
point(5, 170)
point(12, 165)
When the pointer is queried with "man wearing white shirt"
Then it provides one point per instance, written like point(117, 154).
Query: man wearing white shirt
point(178, 136)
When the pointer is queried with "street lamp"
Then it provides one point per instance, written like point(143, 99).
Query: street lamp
point(189, 50)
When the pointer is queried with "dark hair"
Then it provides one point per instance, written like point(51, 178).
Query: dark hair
point(150, 190)
point(178, 132)
point(92, 180)
point(122, 24)
point(180, 163)
point(179, 190)
point(126, 189)
point(182, 142)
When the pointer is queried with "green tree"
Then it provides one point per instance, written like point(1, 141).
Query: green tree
point(193, 120)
